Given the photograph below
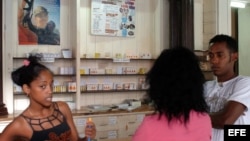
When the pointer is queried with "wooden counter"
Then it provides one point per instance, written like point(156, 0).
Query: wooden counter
point(143, 109)
point(8, 117)
point(113, 125)
point(121, 139)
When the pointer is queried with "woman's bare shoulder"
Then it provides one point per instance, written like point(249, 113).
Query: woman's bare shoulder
point(61, 104)
point(17, 128)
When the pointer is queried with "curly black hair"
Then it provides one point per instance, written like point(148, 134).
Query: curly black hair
point(176, 84)
point(29, 71)
point(231, 42)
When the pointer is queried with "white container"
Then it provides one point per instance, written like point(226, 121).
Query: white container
point(92, 87)
point(119, 70)
point(93, 71)
point(67, 53)
point(118, 86)
point(107, 86)
point(100, 86)
point(62, 70)
point(71, 86)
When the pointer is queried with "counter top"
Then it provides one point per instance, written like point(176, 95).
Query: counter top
point(7, 118)
point(142, 109)
point(121, 139)
point(145, 109)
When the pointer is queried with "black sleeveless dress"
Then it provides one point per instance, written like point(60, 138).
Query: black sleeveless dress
point(51, 128)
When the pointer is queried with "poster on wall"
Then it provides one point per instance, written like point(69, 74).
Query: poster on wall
point(113, 18)
point(39, 22)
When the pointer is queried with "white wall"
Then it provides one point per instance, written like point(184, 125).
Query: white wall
point(223, 17)
point(198, 24)
point(148, 34)
point(244, 42)
point(151, 19)
point(216, 19)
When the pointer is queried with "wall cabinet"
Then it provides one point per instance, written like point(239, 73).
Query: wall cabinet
point(112, 126)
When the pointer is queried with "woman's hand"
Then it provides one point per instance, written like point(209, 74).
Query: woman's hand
point(90, 129)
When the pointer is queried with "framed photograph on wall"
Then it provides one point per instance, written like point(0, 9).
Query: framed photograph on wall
point(39, 22)
point(113, 17)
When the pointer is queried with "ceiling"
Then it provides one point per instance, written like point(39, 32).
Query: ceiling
point(244, 1)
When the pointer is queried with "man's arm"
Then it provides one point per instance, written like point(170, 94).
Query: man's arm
point(228, 115)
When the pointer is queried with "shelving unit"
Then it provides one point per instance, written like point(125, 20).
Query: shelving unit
point(111, 72)
point(111, 78)
point(21, 93)
point(111, 91)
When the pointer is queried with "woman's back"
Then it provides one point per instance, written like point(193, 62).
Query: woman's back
point(197, 129)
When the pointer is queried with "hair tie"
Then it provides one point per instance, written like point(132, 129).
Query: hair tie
point(26, 62)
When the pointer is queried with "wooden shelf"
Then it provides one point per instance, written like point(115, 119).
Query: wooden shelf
point(113, 74)
point(63, 75)
point(23, 94)
point(111, 59)
point(108, 91)
point(55, 58)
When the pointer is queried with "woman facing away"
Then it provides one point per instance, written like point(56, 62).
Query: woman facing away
point(176, 89)
point(43, 119)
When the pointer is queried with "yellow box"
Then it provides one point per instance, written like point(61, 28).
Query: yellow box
point(82, 71)
point(97, 55)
